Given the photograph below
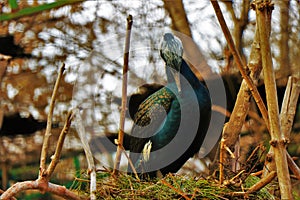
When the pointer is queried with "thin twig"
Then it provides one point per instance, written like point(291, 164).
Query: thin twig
point(124, 95)
point(175, 189)
point(222, 160)
point(88, 153)
point(236, 176)
point(49, 123)
point(221, 110)
point(59, 146)
point(130, 163)
point(257, 173)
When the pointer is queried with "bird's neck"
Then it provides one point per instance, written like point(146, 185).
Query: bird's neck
point(170, 77)
point(189, 75)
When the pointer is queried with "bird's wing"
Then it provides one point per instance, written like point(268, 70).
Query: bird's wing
point(149, 119)
point(152, 113)
point(141, 95)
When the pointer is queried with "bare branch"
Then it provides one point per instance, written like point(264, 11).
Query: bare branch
point(39, 184)
point(289, 105)
point(239, 62)
point(49, 123)
point(88, 154)
point(262, 183)
point(124, 95)
point(61, 139)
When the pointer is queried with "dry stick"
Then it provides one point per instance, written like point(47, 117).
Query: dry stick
point(236, 176)
point(11, 198)
point(289, 106)
point(263, 12)
point(262, 183)
point(42, 183)
point(222, 159)
point(288, 111)
point(61, 139)
point(33, 185)
point(130, 163)
point(49, 124)
point(232, 129)
point(256, 187)
point(124, 95)
point(175, 189)
point(88, 153)
point(293, 166)
point(241, 66)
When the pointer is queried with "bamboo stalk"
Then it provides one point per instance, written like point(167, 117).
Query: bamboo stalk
point(124, 95)
point(263, 10)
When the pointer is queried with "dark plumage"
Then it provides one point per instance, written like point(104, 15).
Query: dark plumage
point(143, 93)
point(171, 124)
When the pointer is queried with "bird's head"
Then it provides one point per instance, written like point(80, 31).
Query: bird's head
point(171, 51)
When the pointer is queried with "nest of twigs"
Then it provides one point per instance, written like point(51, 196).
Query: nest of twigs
point(170, 187)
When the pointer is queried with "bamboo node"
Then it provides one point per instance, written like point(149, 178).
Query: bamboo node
point(262, 4)
point(286, 141)
point(274, 143)
point(269, 157)
point(283, 142)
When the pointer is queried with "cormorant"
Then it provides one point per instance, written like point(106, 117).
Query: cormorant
point(171, 124)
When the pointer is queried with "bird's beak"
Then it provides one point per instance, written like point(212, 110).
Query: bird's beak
point(176, 75)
